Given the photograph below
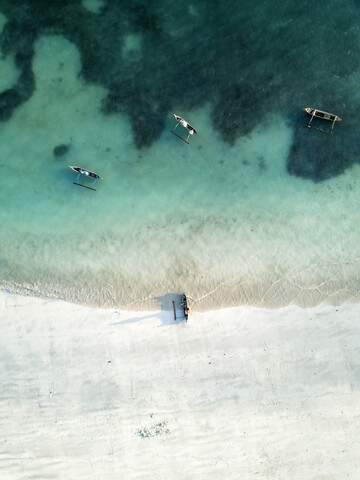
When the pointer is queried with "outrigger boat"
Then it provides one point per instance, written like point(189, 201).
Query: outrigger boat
point(185, 306)
point(314, 112)
point(87, 173)
point(185, 124)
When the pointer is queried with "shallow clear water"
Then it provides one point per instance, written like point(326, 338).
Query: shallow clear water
point(257, 209)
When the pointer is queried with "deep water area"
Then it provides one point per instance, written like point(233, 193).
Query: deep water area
point(245, 58)
point(258, 209)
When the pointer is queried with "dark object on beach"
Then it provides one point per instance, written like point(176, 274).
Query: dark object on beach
point(9, 100)
point(87, 173)
point(185, 306)
point(60, 150)
point(174, 310)
point(314, 112)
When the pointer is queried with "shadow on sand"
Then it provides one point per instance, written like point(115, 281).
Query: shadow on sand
point(166, 314)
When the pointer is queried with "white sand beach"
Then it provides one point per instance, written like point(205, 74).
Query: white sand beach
point(241, 393)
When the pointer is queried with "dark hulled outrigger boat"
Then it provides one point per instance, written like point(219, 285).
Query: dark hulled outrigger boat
point(185, 306)
point(87, 173)
point(314, 112)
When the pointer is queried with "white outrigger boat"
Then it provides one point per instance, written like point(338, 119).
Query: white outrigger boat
point(314, 112)
point(185, 124)
point(87, 173)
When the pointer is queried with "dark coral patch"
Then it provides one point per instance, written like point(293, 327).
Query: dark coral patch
point(245, 59)
point(237, 111)
point(146, 129)
point(147, 114)
point(60, 150)
point(9, 100)
point(18, 39)
point(315, 155)
point(144, 19)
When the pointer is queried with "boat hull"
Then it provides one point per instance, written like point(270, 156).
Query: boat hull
point(85, 172)
point(314, 112)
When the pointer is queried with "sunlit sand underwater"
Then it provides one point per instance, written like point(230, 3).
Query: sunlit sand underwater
point(223, 220)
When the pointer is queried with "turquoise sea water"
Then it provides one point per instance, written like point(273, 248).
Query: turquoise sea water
point(257, 209)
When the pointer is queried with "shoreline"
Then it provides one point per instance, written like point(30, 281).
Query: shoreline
point(269, 294)
point(153, 305)
point(12, 297)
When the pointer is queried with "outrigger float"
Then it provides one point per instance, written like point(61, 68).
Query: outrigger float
point(314, 112)
point(185, 124)
point(87, 173)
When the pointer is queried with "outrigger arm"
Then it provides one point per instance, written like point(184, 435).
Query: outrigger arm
point(81, 185)
point(312, 116)
point(187, 138)
point(333, 123)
